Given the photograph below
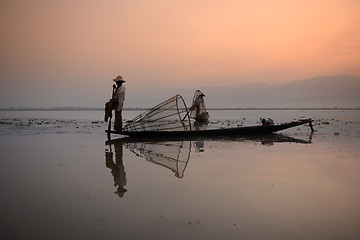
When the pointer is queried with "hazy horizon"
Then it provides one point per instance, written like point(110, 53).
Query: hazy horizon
point(318, 92)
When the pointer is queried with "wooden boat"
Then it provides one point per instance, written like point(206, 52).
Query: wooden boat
point(235, 131)
point(171, 119)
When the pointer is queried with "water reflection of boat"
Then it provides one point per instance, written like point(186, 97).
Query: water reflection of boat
point(271, 138)
point(175, 155)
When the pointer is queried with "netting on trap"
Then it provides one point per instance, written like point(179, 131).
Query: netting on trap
point(171, 155)
point(170, 115)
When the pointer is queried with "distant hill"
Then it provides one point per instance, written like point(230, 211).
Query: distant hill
point(318, 92)
point(341, 91)
point(323, 91)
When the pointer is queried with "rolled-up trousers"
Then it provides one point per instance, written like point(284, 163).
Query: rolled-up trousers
point(118, 120)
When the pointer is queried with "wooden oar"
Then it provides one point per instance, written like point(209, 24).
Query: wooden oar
point(186, 114)
point(109, 126)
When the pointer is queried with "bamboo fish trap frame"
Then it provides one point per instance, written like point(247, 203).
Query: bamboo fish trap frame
point(170, 115)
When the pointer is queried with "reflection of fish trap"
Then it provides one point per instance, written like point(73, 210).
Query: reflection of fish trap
point(171, 155)
point(170, 115)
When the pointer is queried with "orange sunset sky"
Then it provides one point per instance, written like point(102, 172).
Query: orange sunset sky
point(56, 52)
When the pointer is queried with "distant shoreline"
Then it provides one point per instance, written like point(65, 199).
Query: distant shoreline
point(144, 109)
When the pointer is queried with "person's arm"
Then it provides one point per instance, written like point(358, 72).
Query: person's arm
point(113, 91)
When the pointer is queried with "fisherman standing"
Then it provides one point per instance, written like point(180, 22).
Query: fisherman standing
point(119, 96)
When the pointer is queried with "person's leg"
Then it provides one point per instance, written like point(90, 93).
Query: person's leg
point(118, 120)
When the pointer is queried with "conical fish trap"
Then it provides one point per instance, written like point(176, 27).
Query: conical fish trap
point(170, 115)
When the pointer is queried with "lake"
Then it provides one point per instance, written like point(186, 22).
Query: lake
point(62, 179)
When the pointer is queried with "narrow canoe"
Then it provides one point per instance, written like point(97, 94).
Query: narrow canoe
point(235, 131)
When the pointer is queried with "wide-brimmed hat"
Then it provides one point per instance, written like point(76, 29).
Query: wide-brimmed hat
point(119, 79)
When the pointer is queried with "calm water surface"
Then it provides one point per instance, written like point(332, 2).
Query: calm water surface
point(61, 179)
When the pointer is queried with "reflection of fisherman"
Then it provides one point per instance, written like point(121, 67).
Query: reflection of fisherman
point(117, 169)
point(197, 104)
point(199, 145)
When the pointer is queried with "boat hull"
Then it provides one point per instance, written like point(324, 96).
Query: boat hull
point(236, 131)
